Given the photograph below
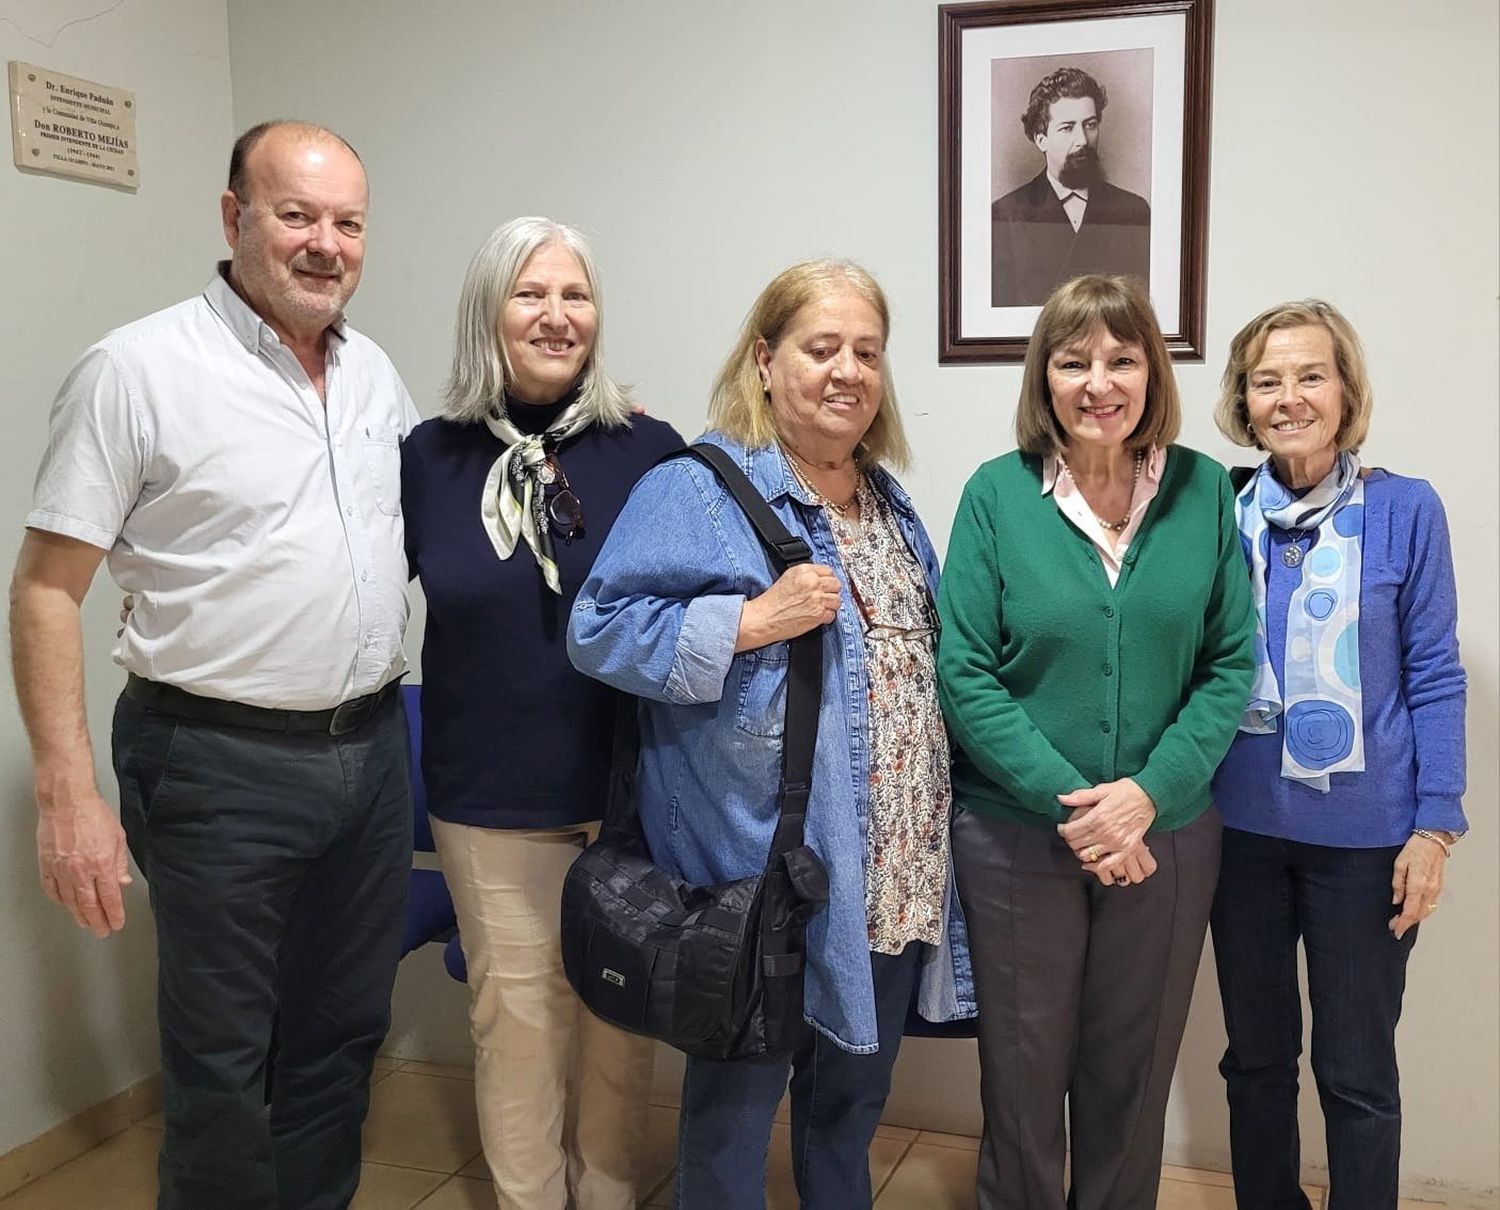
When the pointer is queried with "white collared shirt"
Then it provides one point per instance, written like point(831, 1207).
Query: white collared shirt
point(1075, 508)
point(259, 532)
point(1074, 201)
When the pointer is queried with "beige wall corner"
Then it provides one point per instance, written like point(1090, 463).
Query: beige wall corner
point(76, 1014)
point(70, 1139)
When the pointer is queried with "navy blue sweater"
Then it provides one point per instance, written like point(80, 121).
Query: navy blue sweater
point(512, 736)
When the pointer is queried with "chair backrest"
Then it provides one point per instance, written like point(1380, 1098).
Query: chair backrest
point(421, 827)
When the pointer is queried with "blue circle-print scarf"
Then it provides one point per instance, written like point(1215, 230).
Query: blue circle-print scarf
point(1321, 697)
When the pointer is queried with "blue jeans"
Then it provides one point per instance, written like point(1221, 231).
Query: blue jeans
point(277, 866)
point(1338, 902)
point(837, 1099)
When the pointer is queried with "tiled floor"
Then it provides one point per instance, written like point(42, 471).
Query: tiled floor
point(422, 1149)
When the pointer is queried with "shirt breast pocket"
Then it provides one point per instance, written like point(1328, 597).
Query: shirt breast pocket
point(762, 696)
point(383, 461)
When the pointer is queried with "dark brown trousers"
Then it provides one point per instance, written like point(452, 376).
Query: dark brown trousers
point(1083, 995)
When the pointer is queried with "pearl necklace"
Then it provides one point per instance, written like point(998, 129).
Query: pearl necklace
point(1114, 527)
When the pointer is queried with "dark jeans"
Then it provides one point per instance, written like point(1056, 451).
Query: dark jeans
point(1338, 901)
point(277, 867)
point(837, 1098)
point(1083, 996)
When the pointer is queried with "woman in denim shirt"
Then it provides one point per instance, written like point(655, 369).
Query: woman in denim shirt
point(681, 610)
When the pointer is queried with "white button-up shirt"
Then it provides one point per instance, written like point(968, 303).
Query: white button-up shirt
point(258, 530)
point(1074, 201)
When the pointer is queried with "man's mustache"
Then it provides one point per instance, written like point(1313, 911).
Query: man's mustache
point(317, 265)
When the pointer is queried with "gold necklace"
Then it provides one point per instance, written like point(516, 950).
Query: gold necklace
point(841, 509)
point(1114, 527)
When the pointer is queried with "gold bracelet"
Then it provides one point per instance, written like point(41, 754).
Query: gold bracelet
point(1435, 838)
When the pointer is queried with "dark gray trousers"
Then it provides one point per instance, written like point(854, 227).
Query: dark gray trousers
point(1083, 995)
point(277, 866)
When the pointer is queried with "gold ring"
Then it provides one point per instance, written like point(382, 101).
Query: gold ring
point(1432, 907)
point(1092, 853)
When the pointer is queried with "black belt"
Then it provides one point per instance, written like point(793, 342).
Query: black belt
point(340, 720)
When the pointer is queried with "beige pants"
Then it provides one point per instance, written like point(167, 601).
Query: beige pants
point(561, 1095)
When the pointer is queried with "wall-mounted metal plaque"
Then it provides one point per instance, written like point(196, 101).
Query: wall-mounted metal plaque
point(70, 127)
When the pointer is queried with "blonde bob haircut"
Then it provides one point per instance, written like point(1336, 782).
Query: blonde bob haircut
point(1232, 414)
point(740, 406)
point(481, 369)
point(1077, 309)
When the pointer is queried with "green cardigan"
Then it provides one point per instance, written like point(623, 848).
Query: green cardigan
point(1052, 681)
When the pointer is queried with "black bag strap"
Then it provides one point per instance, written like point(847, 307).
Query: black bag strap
point(804, 681)
point(804, 676)
point(784, 547)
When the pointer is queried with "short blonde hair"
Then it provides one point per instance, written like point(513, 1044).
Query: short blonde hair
point(1076, 309)
point(481, 368)
point(739, 406)
point(1232, 413)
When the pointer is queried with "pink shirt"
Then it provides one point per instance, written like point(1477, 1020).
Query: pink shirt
point(1075, 508)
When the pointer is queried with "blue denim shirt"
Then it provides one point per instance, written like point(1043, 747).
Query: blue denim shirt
point(658, 618)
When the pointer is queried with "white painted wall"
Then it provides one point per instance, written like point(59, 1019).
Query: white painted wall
point(706, 146)
point(77, 1017)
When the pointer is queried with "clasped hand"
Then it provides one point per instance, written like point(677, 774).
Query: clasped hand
point(804, 596)
point(1106, 830)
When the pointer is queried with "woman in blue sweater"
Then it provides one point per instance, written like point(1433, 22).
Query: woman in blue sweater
point(1342, 794)
point(508, 497)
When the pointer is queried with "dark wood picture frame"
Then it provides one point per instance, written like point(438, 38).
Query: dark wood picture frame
point(981, 343)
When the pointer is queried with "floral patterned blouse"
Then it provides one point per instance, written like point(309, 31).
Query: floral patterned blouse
point(906, 865)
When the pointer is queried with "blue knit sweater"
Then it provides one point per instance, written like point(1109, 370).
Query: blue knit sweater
point(1412, 683)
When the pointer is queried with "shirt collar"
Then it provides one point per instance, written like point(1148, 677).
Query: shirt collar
point(241, 319)
point(1156, 462)
point(1062, 190)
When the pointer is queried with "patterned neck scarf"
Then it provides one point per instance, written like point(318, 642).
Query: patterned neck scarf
point(513, 504)
point(1321, 696)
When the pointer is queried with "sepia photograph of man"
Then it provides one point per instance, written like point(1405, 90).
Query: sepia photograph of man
point(1068, 219)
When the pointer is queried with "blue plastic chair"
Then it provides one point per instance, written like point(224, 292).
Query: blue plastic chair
point(429, 908)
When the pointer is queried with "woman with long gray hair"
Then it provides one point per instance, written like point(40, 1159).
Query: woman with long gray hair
point(508, 495)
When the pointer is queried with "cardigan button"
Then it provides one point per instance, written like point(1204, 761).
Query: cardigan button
point(1109, 670)
point(1104, 727)
point(1109, 611)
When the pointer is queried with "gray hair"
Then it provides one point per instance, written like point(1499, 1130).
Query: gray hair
point(481, 370)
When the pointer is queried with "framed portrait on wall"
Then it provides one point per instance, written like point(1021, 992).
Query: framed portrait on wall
point(1073, 138)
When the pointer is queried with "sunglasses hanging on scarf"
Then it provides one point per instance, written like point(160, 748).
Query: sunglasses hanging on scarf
point(563, 507)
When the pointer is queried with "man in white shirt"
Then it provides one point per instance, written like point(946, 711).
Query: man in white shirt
point(1067, 220)
point(235, 458)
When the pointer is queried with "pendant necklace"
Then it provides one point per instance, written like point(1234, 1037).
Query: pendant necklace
point(1293, 554)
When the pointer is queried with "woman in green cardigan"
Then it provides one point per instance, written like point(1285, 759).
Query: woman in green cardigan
point(1095, 660)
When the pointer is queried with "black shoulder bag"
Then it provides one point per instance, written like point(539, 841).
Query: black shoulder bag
point(715, 971)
